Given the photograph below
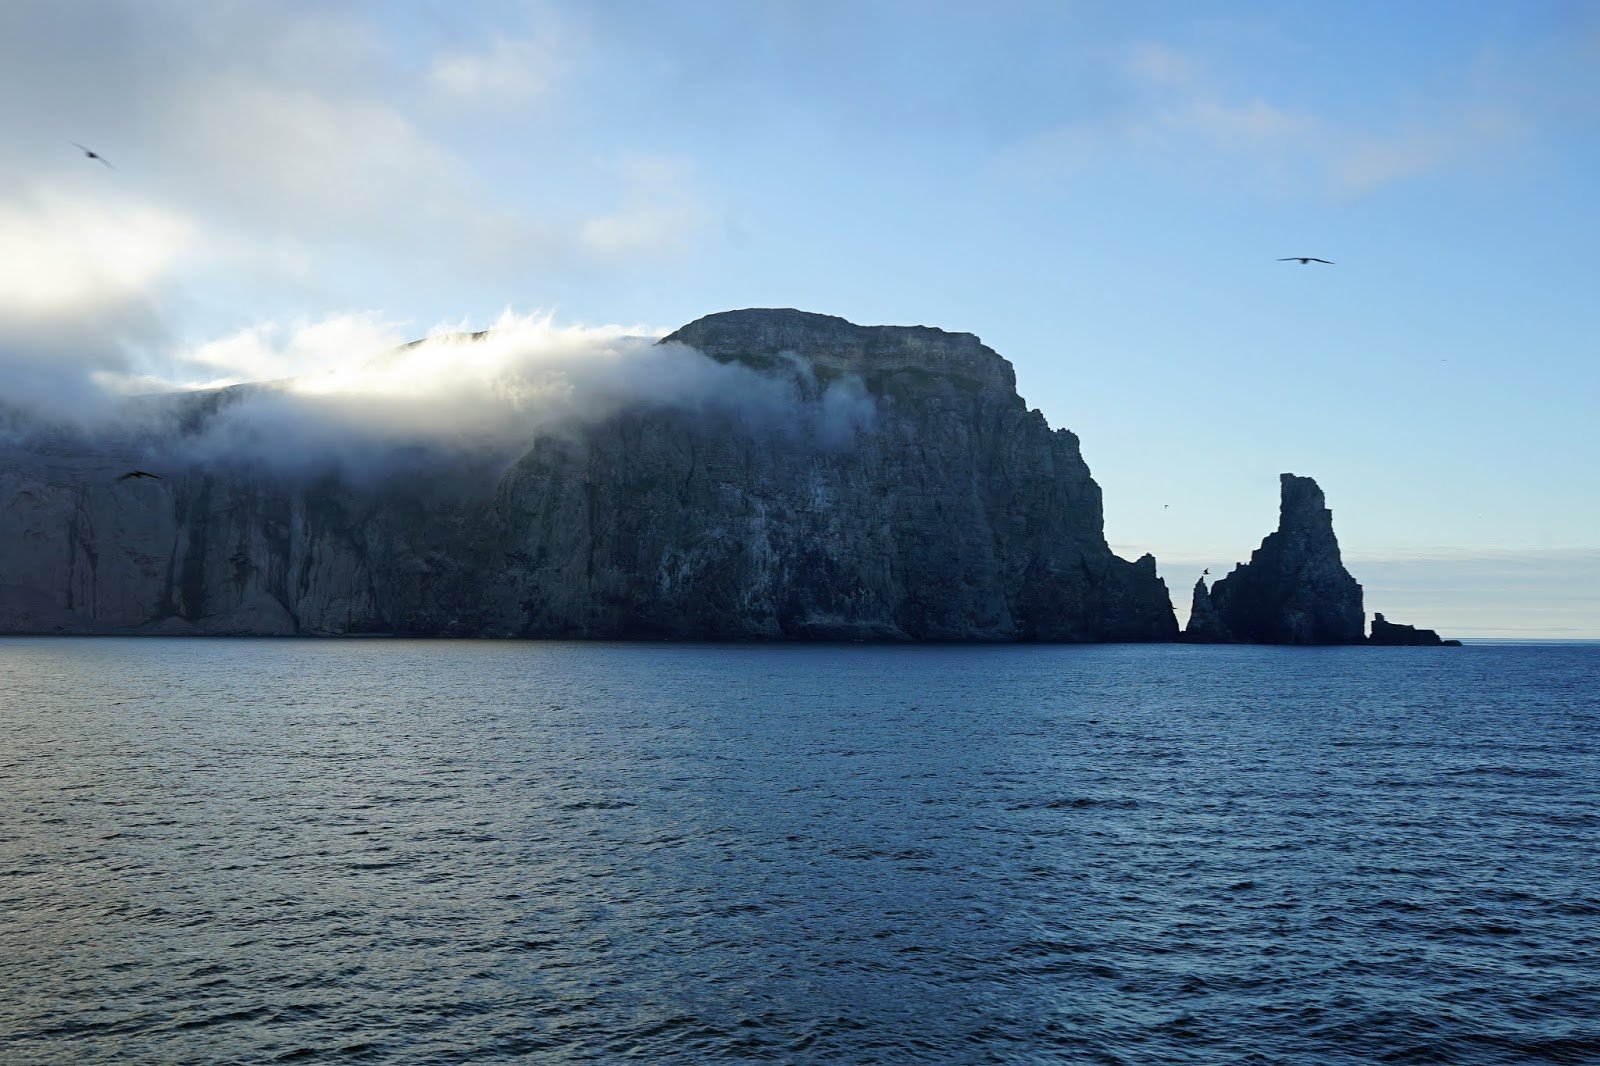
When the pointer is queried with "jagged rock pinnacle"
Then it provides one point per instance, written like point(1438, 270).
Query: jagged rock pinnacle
point(1294, 590)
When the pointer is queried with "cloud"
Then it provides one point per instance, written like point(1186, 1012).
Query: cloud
point(1362, 163)
point(510, 73)
point(349, 396)
point(1174, 106)
point(80, 282)
point(642, 228)
point(275, 164)
point(1514, 593)
point(1168, 105)
point(659, 214)
point(314, 148)
point(1529, 593)
point(269, 156)
point(61, 255)
point(273, 351)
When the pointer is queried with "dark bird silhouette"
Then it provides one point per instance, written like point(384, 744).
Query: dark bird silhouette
point(138, 473)
point(1304, 259)
point(92, 154)
point(1206, 571)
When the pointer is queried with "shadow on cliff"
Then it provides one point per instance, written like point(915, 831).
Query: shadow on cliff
point(764, 474)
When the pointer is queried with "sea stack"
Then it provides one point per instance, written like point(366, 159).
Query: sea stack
point(1294, 589)
point(1204, 626)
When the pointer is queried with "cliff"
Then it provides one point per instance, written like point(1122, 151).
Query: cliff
point(900, 490)
point(1294, 589)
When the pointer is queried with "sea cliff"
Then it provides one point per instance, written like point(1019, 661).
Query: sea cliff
point(905, 492)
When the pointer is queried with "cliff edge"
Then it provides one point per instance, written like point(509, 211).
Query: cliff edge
point(895, 487)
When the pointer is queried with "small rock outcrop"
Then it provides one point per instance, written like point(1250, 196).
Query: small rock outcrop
point(1294, 589)
point(1394, 634)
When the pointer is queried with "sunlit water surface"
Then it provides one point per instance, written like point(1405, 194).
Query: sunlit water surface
point(384, 850)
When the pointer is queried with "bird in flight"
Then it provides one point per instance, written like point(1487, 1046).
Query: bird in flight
point(91, 153)
point(138, 473)
point(1304, 259)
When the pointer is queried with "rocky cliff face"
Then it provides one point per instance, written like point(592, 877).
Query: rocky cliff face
point(1294, 589)
point(1205, 626)
point(902, 491)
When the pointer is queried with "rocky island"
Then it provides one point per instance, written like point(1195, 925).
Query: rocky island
point(1394, 634)
point(901, 490)
point(1294, 589)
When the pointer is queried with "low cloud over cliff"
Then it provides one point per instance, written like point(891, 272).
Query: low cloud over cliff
point(351, 395)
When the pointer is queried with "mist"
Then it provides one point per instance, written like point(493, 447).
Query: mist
point(351, 396)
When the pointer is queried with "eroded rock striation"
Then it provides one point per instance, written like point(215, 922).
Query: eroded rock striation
point(900, 490)
point(1294, 589)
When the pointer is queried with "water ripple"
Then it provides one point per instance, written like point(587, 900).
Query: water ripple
point(412, 851)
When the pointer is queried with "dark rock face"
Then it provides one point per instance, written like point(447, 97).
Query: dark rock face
point(906, 492)
point(1205, 626)
point(1294, 589)
point(1395, 634)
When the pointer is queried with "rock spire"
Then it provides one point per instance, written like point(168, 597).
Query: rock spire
point(1294, 589)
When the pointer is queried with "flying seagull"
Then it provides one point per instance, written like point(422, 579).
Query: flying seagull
point(1304, 259)
point(91, 153)
point(138, 473)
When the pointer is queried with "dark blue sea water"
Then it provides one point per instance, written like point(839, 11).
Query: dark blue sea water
point(416, 851)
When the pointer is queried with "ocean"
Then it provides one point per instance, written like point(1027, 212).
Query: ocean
point(402, 851)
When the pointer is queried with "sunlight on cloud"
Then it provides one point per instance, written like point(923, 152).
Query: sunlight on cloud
point(353, 374)
point(269, 351)
point(68, 257)
point(349, 396)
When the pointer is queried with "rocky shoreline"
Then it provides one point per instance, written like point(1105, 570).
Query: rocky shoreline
point(896, 488)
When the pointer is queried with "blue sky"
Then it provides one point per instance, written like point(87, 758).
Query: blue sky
point(1099, 191)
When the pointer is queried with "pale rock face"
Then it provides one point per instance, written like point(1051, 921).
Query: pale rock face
point(909, 494)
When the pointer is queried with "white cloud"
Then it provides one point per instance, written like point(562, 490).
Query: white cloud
point(642, 229)
point(61, 256)
point(660, 211)
point(1177, 108)
point(273, 351)
point(268, 156)
point(511, 73)
point(1363, 162)
point(1171, 107)
point(80, 283)
point(276, 165)
point(360, 402)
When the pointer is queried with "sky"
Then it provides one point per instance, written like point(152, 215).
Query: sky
point(1101, 192)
